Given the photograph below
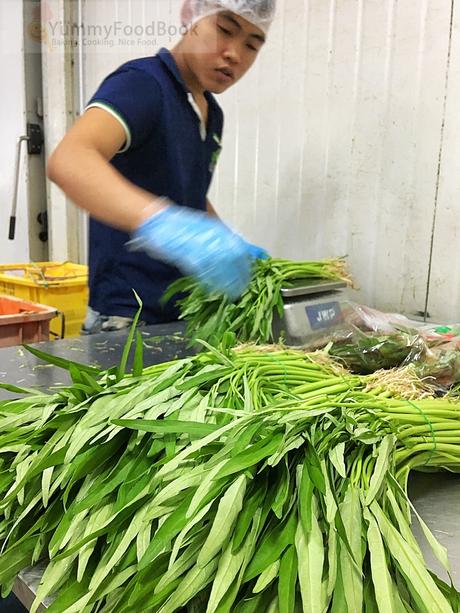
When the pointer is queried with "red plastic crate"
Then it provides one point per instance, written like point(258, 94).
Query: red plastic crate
point(23, 322)
point(61, 285)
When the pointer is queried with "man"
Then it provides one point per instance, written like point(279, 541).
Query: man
point(140, 160)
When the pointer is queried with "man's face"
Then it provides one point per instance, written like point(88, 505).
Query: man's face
point(221, 48)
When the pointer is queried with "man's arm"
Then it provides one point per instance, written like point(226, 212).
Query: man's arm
point(196, 243)
point(80, 166)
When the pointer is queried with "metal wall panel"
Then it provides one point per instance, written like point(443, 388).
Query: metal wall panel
point(333, 140)
point(444, 295)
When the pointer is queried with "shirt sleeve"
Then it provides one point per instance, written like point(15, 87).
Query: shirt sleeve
point(134, 98)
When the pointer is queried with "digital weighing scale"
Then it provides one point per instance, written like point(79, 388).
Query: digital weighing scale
point(311, 309)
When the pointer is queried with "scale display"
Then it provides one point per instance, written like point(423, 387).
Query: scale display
point(324, 315)
point(311, 312)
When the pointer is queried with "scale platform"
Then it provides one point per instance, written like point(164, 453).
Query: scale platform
point(312, 309)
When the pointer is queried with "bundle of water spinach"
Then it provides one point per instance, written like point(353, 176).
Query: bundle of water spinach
point(250, 318)
point(237, 481)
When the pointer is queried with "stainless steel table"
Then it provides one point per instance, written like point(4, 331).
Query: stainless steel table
point(436, 496)
point(161, 343)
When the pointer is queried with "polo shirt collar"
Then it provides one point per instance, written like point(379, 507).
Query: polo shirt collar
point(168, 60)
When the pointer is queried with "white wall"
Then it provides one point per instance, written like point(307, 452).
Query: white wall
point(343, 139)
point(444, 298)
point(107, 41)
point(13, 125)
point(348, 117)
point(57, 56)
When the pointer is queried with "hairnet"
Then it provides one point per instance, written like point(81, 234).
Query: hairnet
point(258, 12)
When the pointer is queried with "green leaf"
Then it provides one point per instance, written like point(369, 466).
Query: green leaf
point(121, 371)
point(181, 565)
point(110, 559)
point(351, 566)
point(339, 604)
point(140, 594)
point(227, 604)
point(438, 550)
point(252, 456)
point(310, 555)
point(329, 499)
point(143, 539)
point(332, 560)
point(305, 498)
point(370, 603)
point(165, 533)
point(449, 591)
point(208, 482)
point(314, 470)
point(218, 354)
point(61, 362)
point(402, 523)
point(67, 596)
point(336, 455)
point(208, 374)
point(229, 566)
point(74, 372)
point(287, 581)
point(228, 510)
point(245, 436)
point(138, 362)
point(259, 603)
point(179, 540)
point(170, 426)
point(282, 491)
point(195, 447)
point(245, 518)
point(54, 573)
point(47, 475)
point(419, 581)
point(342, 533)
point(177, 287)
point(16, 558)
point(83, 559)
point(91, 382)
point(19, 390)
point(266, 577)
point(380, 575)
point(271, 548)
point(381, 468)
point(191, 585)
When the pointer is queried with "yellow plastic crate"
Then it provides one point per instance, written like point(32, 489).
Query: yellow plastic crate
point(61, 285)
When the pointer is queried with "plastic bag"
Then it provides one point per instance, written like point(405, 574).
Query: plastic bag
point(368, 340)
point(441, 363)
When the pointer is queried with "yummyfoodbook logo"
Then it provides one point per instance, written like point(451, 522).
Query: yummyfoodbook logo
point(124, 31)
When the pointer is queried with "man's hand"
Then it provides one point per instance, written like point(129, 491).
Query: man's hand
point(255, 252)
point(198, 245)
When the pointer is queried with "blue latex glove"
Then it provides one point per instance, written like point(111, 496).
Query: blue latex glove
point(256, 253)
point(199, 245)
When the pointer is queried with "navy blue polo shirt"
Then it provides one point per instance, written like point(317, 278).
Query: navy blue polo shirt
point(168, 152)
